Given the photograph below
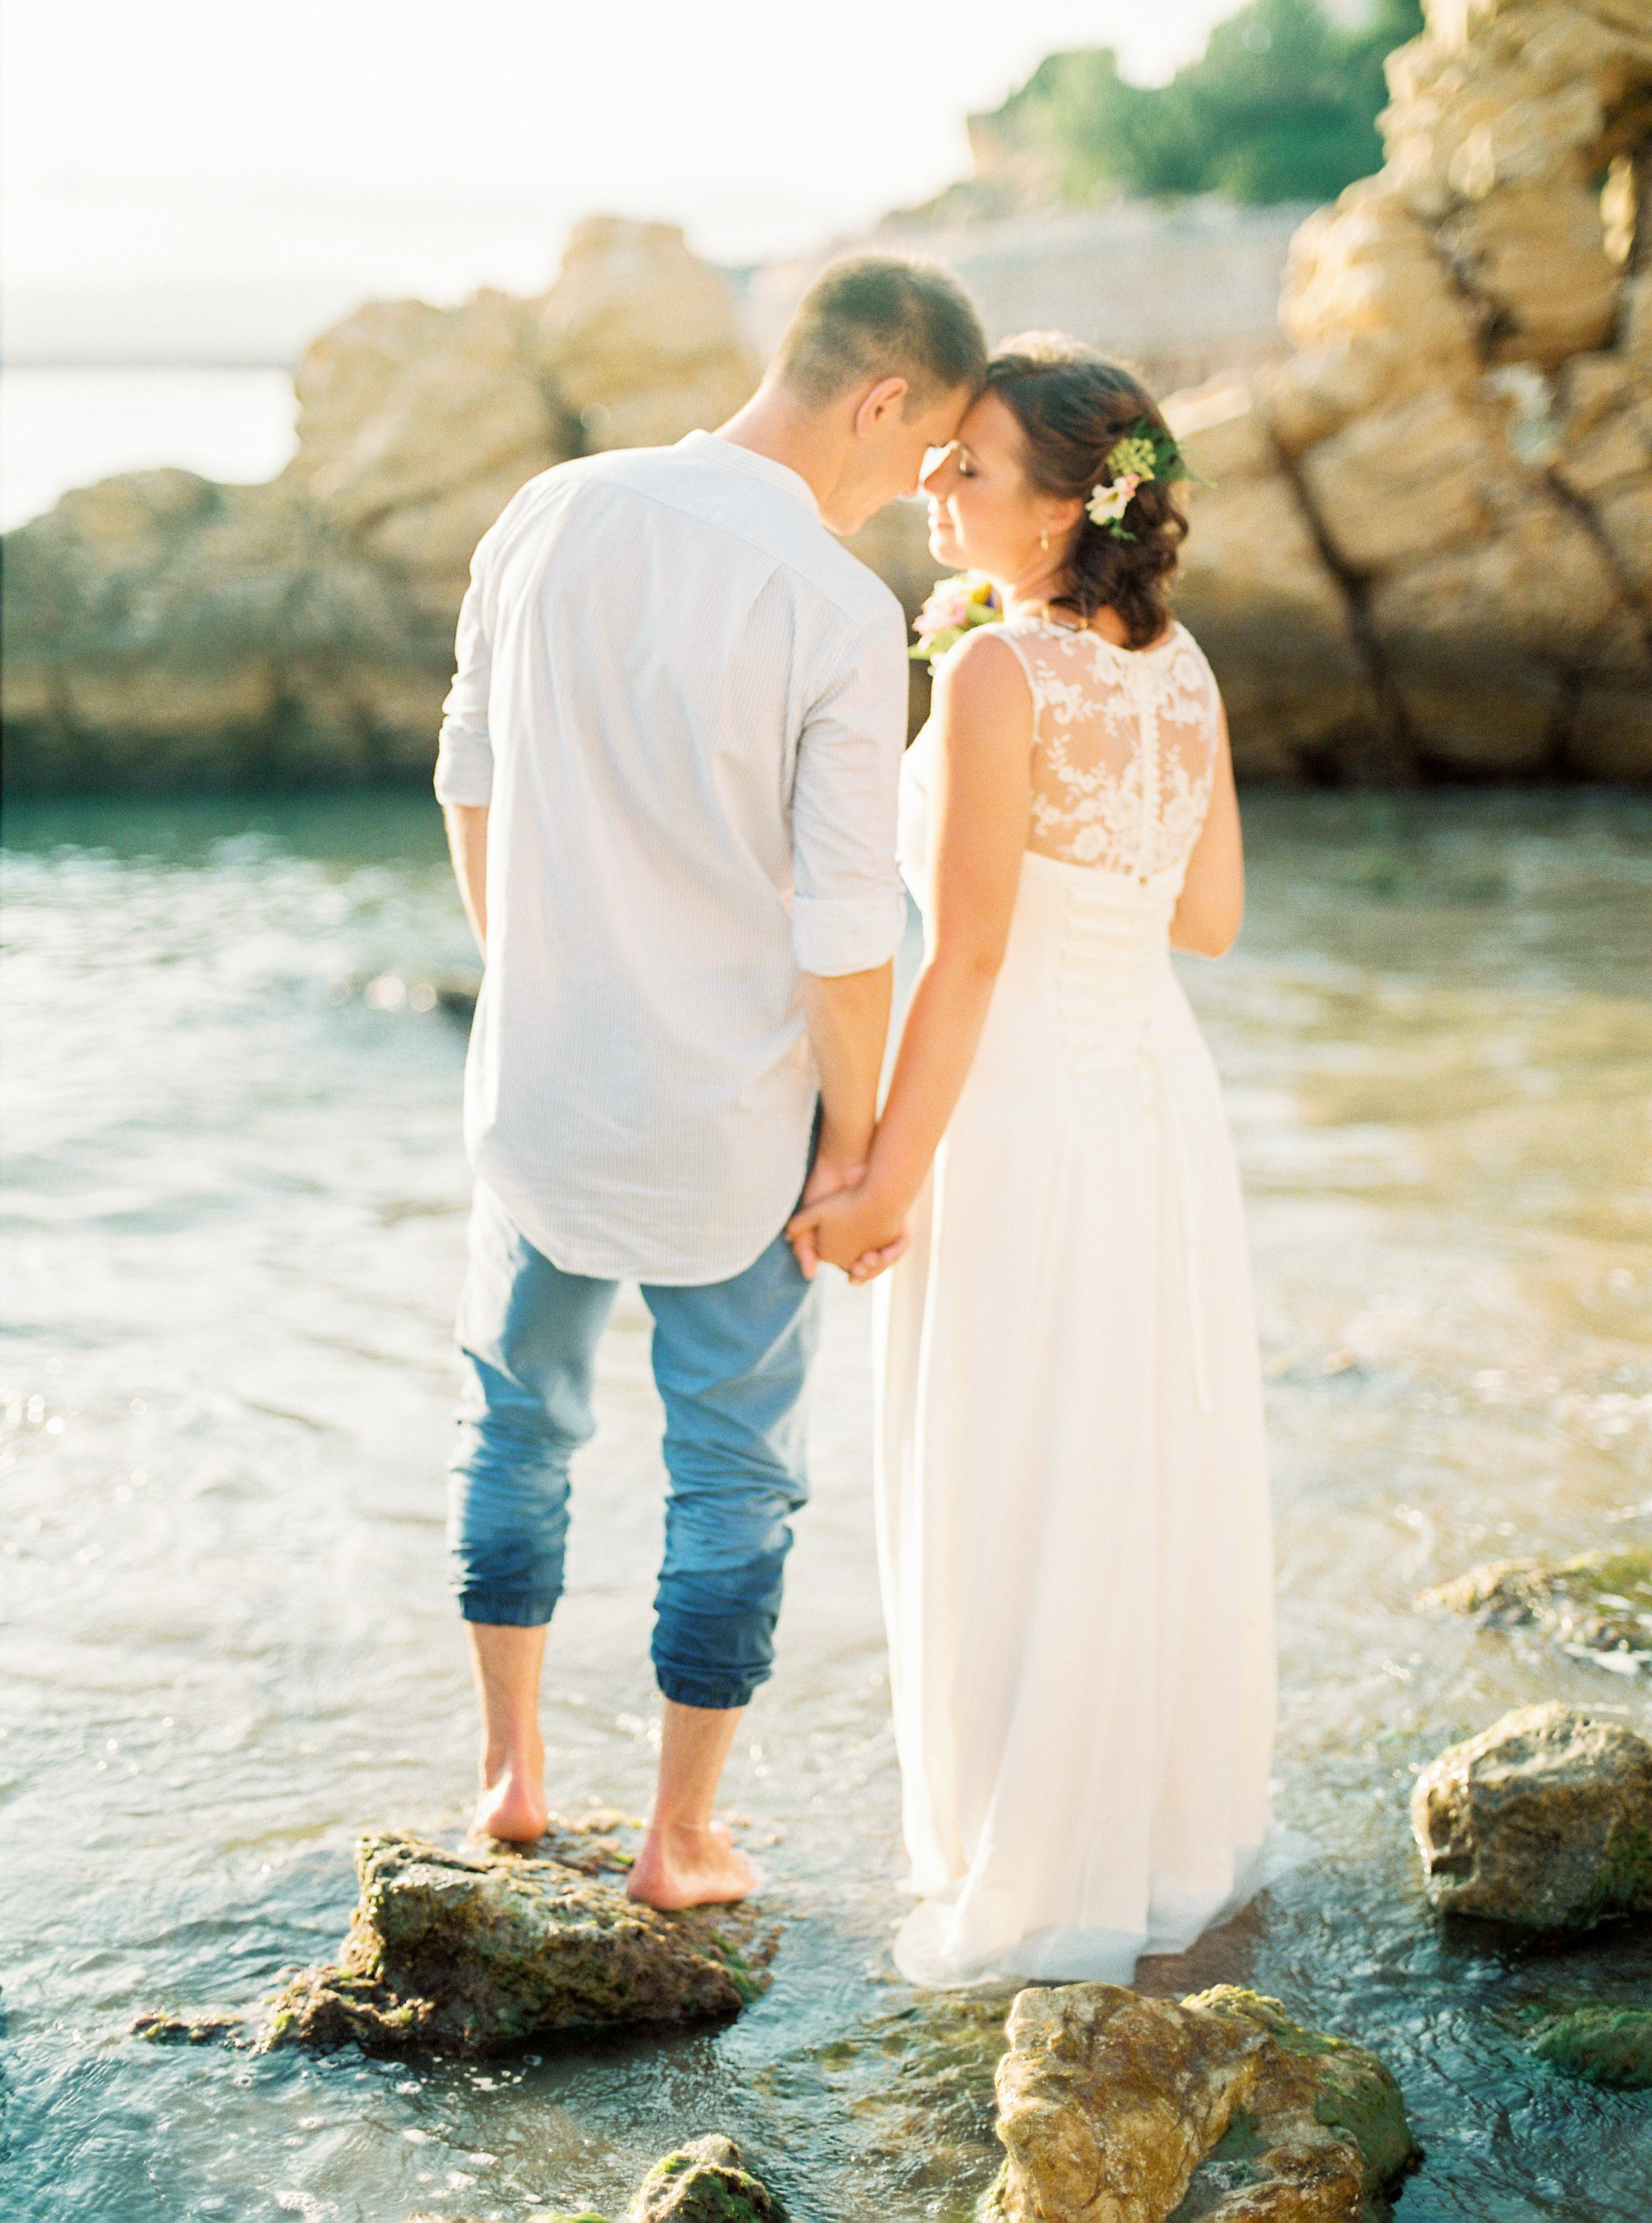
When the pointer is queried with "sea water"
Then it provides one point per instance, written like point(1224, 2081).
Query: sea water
point(66, 427)
point(235, 1208)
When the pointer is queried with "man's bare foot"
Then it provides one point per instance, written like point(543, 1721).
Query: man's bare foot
point(511, 1807)
point(687, 1864)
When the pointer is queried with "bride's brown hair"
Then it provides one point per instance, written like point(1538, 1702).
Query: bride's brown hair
point(1073, 407)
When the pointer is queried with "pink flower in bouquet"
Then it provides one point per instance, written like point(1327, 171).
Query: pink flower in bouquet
point(954, 608)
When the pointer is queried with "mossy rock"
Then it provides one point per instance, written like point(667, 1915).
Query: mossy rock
point(1608, 2046)
point(479, 1951)
point(1180, 2108)
point(1596, 1607)
point(1544, 1821)
point(705, 2183)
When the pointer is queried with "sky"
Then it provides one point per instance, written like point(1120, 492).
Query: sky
point(431, 146)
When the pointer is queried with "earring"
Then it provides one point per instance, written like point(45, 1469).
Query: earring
point(1044, 542)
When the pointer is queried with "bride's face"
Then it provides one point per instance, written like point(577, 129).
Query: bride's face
point(983, 513)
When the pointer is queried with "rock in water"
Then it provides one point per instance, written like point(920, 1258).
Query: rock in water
point(478, 1950)
point(1608, 2046)
point(1118, 2109)
point(704, 2182)
point(1597, 1608)
point(193, 2026)
point(1544, 1820)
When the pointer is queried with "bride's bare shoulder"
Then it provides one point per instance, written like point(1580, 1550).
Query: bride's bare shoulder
point(985, 668)
point(982, 696)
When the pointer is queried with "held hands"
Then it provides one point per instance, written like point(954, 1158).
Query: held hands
point(843, 1220)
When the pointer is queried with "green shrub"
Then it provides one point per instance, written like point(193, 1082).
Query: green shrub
point(1281, 106)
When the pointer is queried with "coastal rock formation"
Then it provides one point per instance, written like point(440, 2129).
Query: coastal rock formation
point(160, 628)
point(214, 629)
point(477, 1950)
point(1461, 448)
point(1545, 1820)
point(1117, 2109)
point(1597, 1606)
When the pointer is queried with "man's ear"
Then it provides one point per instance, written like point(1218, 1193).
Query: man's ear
point(877, 403)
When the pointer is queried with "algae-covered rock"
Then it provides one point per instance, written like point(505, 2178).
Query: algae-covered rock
point(1597, 1606)
point(1608, 2046)
point(1118, 2109)
point(193, 2026)
point(476, 1950)
point(1544, 1820)
point(705, 2183)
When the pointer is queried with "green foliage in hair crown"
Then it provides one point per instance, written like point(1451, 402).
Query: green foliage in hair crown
point(1144, 455)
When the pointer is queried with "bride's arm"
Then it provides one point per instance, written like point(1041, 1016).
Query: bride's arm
point(982, 802)
point(1211, 907)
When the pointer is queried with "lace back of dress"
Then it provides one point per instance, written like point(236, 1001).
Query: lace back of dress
point(1124, 748)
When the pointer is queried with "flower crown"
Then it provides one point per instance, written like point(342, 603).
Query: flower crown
point(955, 608)
point(1145, 454)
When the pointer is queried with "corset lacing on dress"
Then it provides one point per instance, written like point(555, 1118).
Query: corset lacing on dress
point(1122, 779)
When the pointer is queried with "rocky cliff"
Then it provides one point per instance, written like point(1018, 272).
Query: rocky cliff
point(1425, 549)
point(160, 628)
point(1428, 544)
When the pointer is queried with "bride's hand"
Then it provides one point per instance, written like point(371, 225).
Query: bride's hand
point(851, 1228)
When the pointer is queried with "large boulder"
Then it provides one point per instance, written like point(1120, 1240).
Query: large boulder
point(640, 339)
point(160, 627)
point(479, 1951)
point(1544, 1821)
point(1485, 644)
point(417, 425)
point(1116, 2109)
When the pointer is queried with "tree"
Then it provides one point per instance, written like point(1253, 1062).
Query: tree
point(1282, 105)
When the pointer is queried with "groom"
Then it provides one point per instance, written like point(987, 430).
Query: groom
point(669, 768)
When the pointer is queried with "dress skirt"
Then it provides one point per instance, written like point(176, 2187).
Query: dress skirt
point(1073, 1520)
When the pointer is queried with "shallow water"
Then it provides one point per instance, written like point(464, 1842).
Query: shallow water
point(235, 1201)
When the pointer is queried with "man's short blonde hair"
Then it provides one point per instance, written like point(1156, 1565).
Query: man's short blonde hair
point(871, 317)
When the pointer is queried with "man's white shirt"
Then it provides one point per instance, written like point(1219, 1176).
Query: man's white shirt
point(685, 704)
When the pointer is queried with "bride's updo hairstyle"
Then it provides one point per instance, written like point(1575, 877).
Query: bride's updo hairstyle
point(1074, 407)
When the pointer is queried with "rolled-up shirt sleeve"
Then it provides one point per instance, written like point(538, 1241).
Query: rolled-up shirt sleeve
point(464, 759)
point(849, 906)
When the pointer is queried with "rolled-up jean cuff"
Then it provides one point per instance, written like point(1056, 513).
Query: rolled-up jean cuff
point(714, 1697)
point(508, 1609)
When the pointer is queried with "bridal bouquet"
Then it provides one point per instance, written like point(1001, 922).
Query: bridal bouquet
point(955, 608)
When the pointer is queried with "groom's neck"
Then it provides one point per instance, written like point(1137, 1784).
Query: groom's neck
point(780, 424)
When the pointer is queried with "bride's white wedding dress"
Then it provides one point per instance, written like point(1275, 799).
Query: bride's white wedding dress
point(1073, 1513)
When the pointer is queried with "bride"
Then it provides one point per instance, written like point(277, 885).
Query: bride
point(1072, 1500)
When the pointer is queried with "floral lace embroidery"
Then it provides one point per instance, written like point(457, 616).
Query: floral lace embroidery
point(1124, 747)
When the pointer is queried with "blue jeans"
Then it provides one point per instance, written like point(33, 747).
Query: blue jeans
point(730, 1362)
